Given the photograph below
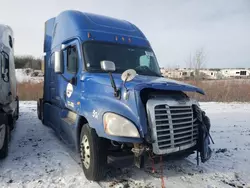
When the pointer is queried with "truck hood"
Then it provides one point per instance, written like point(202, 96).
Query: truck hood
point(98, 96)
point(140, 82)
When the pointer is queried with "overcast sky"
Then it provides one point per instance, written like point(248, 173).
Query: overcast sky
point(175, 29)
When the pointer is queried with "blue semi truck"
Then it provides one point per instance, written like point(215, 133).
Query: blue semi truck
point(104, 94)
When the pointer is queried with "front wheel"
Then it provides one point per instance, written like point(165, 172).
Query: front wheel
point(93, 153)
point(4, 140)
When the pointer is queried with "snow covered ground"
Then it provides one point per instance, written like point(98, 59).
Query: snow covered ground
point(29, 75)
point(38, 158)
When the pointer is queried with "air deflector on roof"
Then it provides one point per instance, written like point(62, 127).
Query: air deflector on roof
point(105, 21)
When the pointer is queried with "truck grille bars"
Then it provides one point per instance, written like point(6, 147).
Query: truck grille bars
point(173, 126)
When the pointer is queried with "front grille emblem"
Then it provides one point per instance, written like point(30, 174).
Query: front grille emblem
point(182, 102)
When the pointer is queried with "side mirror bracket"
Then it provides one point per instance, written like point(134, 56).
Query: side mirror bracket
point(109, 67)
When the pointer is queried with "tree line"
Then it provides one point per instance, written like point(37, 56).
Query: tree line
point(28, 61)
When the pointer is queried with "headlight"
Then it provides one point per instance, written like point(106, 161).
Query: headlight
point(117, 125)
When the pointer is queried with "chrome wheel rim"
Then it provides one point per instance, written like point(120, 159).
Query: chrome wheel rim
point(2, 135)
point(85, 152)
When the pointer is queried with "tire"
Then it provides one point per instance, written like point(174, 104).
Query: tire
point(5, 146)
point(93, 153)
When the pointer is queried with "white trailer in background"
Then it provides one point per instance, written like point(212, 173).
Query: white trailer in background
point(235, 73)
point(9, 103)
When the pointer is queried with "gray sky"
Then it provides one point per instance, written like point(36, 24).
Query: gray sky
point(175, 28)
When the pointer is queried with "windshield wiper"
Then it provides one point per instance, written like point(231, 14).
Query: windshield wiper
point(148, 73)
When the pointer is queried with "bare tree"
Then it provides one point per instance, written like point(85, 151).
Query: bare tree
point(189, 62)
point(197, 62)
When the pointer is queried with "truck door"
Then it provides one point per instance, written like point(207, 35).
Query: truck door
point(70, 88)
point(71, 75)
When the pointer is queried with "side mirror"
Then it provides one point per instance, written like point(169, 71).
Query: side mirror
point(58, 67)
point(108, 66)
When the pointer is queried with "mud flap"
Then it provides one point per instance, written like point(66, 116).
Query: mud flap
point(204, 137)
point(204, 140)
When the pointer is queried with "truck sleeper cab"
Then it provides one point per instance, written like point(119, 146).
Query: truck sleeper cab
point(104, 94)
point(9, 103)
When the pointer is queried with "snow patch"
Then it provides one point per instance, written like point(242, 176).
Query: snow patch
point(29, 75)
point(38, 158)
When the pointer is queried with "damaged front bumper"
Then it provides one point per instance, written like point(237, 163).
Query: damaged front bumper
point(190, 133)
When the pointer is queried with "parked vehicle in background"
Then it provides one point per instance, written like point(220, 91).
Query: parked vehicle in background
point(9, 103)
point(104, 94)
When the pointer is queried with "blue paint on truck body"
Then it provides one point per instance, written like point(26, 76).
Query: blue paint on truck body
point(92, 94)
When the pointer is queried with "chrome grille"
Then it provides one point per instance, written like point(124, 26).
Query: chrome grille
point(174, 126)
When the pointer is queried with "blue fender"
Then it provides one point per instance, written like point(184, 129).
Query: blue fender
point(92, 108)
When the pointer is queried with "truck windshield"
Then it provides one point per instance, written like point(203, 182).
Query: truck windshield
point(142, 60)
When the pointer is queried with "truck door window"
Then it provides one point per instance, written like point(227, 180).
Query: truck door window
point(72, 59)
point(5, 67)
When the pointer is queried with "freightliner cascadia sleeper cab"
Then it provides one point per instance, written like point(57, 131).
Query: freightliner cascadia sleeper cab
point(9, 104)
point(104, 94)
